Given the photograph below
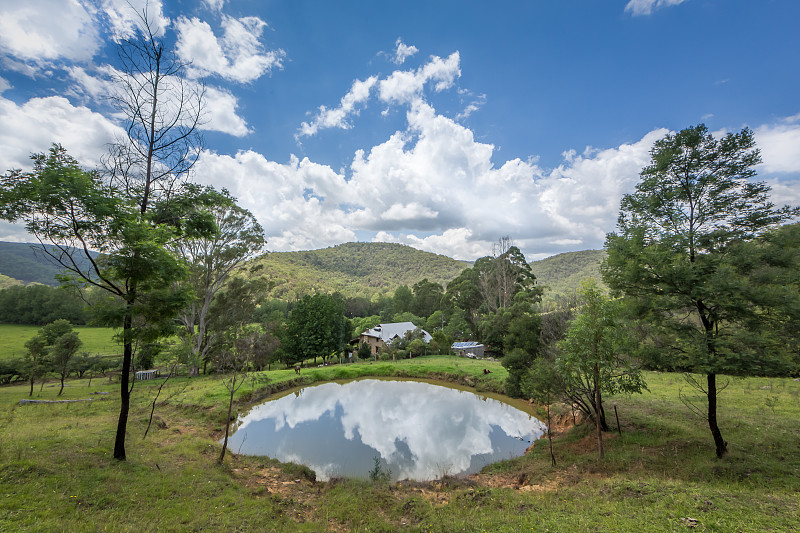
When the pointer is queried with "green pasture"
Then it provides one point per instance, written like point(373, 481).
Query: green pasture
point(659, 474)
point(95, 340)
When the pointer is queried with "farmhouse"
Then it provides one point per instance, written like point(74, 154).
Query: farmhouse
point(383, 334)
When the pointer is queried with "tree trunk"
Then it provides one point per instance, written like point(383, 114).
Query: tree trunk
point(722, 446)
point(31, 392)
point(62, 386)
point(597, 410)
point(550, 434)
point(227, 421)
point(125, 395)
point(603, 421)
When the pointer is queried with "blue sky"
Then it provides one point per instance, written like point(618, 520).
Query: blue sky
point(443, 125)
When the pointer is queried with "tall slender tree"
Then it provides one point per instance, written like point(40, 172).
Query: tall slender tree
point(671, 254)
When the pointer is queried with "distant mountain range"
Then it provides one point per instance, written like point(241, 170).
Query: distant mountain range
point(22, 262)
point(353, 269)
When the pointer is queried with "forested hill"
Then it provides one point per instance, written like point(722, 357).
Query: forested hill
point(20, 262)
point(354, 269)
point(563, 273)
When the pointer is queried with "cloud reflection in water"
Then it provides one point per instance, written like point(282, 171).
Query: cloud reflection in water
point(420, 431)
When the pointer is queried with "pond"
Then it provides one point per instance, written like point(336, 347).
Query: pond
point(417, 430)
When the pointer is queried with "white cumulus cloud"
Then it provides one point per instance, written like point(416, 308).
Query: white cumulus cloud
point(30, 33)
point(780, 146)
point(404, 86)
point(238, 55)
point(338, 117)
point(433, 186)
point(400, 87)
point(125, 17)
point(40, 122)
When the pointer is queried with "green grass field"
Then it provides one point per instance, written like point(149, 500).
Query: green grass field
point(661, 474)
point(95, 340)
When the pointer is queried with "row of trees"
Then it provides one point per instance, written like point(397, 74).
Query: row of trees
point(54, 350)
point(41, 304)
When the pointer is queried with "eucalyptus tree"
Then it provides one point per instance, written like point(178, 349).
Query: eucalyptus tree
point(672, 254)
point(211, 259)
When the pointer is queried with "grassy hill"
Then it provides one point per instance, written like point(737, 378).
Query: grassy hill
point(563, 273)
point(354, 269)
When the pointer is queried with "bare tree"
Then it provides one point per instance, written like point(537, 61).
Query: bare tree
point(162, 113)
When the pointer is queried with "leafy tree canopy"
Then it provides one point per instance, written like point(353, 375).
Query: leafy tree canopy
point(672, 253)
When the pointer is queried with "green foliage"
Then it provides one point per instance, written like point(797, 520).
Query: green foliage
point(517, 362)
point(211, 259)
point(379, 473)
point(441, 343)
point(412, 343)
point(427, 297)
point(35, 364)
point(674, 256)
point(40, 304)
point(360, 325)
point(364, 352)
point(6, 282)
point(409, 317)
point(403, 300)
point(316, 328)
point(464, 297)
point(51, 350)
point(61, 203)
point(595, 355)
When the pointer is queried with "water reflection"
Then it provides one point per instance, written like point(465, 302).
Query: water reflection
point(420, 431)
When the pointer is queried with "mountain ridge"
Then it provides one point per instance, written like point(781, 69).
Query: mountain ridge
point(355, 269)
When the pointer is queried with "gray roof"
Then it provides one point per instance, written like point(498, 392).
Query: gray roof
point(464, 345)
point(387, 332)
